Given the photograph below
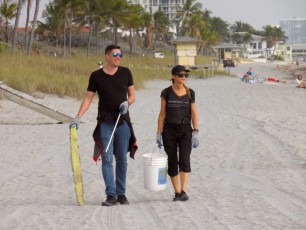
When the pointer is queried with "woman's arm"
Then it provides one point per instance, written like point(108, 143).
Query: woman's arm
point(194, 116)
point(162, 116)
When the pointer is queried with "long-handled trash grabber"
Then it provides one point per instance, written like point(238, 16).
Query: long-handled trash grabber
point(112, 133)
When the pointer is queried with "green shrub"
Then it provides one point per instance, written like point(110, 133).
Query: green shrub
point(276, 58)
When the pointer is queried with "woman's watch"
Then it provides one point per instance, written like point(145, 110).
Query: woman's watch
point(196, 130)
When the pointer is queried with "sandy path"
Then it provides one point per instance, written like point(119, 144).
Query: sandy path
point(248, 173)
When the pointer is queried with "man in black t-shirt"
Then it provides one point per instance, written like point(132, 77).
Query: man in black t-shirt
point(115, 87)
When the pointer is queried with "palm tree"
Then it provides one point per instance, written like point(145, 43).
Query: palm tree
point(161, 25)
point(240, 26)
point(219, 26)
point(78, 9)
point(209, 38)
point(147, 19)
point(114, 12)
point(29, 5)
point(241, 37)
point(67, 9)
point(133, 20)
point(199, 27)
point(14, 41)
point(116, 16)
point(273, 35)
point(7, 12)
point(215, 31)
point(184, 15)
point(29, 43)
point(64, 7)
point(197, 23)
point(53, 25)
point(91, 16)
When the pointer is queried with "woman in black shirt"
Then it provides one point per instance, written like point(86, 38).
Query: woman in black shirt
point(174, 130)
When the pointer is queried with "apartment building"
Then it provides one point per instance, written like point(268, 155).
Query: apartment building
point(295, 46)
point(295, 30)
point(169, 7)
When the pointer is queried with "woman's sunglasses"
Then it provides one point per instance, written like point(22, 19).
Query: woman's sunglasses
point(117, 55)
point(182, 75)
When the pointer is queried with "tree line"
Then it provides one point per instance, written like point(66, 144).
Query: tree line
point(65, 19)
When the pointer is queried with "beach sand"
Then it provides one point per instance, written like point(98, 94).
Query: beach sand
point(249, 171)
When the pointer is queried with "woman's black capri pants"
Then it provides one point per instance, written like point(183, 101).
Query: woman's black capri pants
point(177, 144)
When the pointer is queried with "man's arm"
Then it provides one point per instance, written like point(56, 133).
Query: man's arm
point(86, 103)
point(131, 94)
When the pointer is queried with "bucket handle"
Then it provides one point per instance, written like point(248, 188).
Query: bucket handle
point(159, 149)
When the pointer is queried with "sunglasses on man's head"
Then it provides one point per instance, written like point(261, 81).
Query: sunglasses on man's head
point(117, 55)
point(182, 75)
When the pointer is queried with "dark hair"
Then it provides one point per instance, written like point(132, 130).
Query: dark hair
point(110, 48)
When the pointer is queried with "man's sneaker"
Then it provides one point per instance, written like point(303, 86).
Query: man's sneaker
point(184, 196)
point(122, 199)
point(110, 201)
point(177, 197)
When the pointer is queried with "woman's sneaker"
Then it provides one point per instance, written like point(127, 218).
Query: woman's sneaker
point(177, 197)
point(184, 196)
point(110, 201)
point(122, 199)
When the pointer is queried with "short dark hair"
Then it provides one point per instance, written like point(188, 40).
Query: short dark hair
point(110, 48)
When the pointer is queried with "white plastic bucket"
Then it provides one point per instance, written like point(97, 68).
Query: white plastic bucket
point(155, 171)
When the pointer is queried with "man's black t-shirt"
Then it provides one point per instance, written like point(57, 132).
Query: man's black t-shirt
point(112, 89)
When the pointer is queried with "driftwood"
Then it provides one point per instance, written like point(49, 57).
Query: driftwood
point(27, 101)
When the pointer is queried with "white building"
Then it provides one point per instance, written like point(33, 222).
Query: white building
point(295, 30)
point(169, 7)
point(293, 52)
point(257, 48)
point(254, 49)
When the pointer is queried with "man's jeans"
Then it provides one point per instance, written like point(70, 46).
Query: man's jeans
point(119, 144)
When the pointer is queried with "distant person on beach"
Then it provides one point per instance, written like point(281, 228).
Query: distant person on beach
point(115, 87)
point(275, 80)
point(300, 82)
point(174, 131)
point(100, 64)
point(247, 76)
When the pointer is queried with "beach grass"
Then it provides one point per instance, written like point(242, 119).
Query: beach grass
point(68, 76)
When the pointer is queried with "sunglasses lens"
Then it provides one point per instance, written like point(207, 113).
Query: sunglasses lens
point(117, 55)
point(182, 75)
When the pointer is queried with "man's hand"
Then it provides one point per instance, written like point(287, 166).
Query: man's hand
point(75, 122)
point(124, 107)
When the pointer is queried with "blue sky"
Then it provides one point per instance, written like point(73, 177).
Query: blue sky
point(257, 13)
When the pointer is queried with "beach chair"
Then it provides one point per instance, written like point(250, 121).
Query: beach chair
point(254, 78)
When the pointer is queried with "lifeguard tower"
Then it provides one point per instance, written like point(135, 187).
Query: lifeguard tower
point(185, 50)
